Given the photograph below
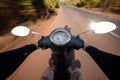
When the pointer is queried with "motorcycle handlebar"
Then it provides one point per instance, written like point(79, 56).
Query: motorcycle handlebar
point(75, 43)
point(45, 42)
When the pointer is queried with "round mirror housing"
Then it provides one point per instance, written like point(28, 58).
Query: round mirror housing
point(20, 31)
point(102, 27)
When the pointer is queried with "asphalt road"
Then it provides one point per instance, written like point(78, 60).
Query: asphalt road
point(78, 20)
point(97, 16)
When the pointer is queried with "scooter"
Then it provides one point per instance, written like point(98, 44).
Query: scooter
point(62, 44)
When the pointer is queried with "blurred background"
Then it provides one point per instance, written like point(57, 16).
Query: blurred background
point(13, 12)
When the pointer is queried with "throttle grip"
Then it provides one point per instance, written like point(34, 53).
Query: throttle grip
point(76, 42)
point(44, 42)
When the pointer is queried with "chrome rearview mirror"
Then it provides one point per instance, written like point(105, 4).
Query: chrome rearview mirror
point(20, 31)
point(102, 27)
point(23, 31)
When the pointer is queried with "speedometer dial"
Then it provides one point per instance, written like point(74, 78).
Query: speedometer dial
point(60, 37)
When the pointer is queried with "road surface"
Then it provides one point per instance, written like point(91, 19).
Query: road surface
point(98, 16)
point(36, 63)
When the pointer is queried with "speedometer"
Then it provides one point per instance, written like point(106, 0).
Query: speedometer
point(60, 37)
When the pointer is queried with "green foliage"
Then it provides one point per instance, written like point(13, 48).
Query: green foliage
point(39, 4)
point(51, 3)
point(87, 3)
point(104, 5)
point(15, 11)
point(108, 5)
point(115, 6)
point(70, 2)
point(80, 4)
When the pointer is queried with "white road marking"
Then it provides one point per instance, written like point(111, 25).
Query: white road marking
point(115, 35)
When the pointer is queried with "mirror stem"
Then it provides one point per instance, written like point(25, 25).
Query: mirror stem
point(84, 32)
point(115, 35)
point(33, 32)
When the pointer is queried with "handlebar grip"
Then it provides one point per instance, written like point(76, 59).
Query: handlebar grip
point(76, 43)
point(44, 42)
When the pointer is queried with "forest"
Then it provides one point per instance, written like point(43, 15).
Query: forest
point(104, 5)
point(13, 12)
